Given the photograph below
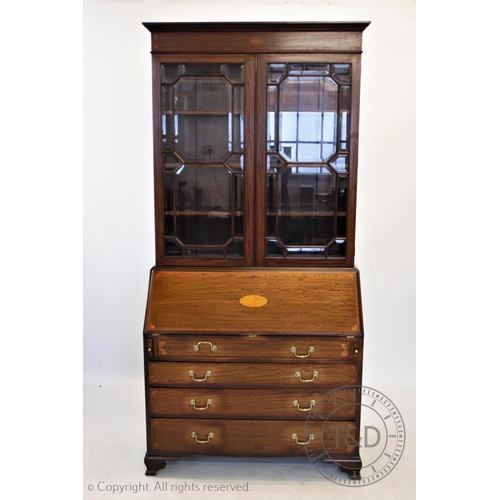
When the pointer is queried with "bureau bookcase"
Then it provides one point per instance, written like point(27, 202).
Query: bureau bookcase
point(254, 306)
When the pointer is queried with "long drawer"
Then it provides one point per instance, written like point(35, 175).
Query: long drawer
point(244, 348)
point(235, 375)
point(245, 437)
point(247, 403)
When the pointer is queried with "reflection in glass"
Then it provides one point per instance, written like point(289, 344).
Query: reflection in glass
point(345, 103)
point(170, 72)
point(203, 187)
point(342, 72)
point(308, 69)
point(202, 69)
point(308, 111)
point(203, 159)
point(272, 105)
point(306, 189)
point(308, 106)
point(275, 72)
point(235, 72)
point(340, 164)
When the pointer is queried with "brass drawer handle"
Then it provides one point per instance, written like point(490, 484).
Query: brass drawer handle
point(299, 376)
point(296, 439)
point(210, 436)
point(213, 347)
point(208, 373)
point(312, 403)
point(192, 402)
point(293, 350)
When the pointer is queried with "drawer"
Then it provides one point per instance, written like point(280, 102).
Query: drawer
point(262, 438)
point(242, 348)
point(235, 375)
point(294, 404)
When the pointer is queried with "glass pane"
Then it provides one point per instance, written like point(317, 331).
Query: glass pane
point(306, 182)
point(271, 226)
point(201, 230)
point(271, 182)
point(205, 251)
point(342, 72)
point(202, 187)
point(308, 69)
point(272, 103)
point(341, 227)
point(170, 162)
point(235, 72)
point(308, 115)
point(167, 184)
point(203, 159)
point(345, 103)
point(304, 232)
point(275, 72)
point(235, 249)
point(235, 163)
point(342, 194)
point(274, 249)
point(274, 163)
point(172, 248)
point(203, 125)
point(170, 72)
point(337, 249)
point(340, 164)
point(306, 189)
point(203, 69)
point(238, 225)
point(169, 225)
point(238, 180)
point(167, 123)
point(306, 252)
point(238, 119)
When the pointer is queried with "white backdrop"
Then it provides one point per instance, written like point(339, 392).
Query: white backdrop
point(118, 174)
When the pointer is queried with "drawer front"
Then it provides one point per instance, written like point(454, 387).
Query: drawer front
point(242, 348)
point(244, 437)
point(236, 375)
point(294, 404)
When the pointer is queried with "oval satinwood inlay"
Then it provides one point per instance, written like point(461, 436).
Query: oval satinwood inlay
point(253, 301)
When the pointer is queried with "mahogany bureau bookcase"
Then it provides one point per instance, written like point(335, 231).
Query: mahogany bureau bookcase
point(254, 306)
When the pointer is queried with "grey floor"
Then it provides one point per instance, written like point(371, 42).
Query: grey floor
point(114, 447)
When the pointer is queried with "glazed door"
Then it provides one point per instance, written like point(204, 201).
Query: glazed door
point(306, 155)
point(204, 159)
